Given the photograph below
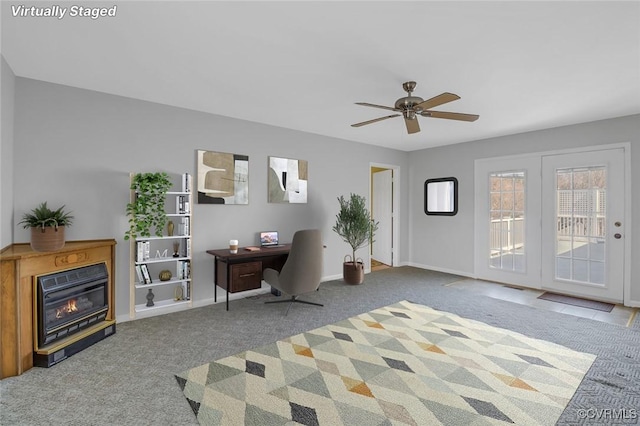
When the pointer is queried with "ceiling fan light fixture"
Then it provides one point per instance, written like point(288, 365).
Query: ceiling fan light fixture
point(409, 114)
point(411, 106)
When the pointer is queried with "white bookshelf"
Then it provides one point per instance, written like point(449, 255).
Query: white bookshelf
point(157, 255)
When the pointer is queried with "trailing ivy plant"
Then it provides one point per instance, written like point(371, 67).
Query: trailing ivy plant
point(147, 210)
point(354, 223)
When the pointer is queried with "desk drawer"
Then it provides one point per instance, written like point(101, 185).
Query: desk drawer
point(245, 276)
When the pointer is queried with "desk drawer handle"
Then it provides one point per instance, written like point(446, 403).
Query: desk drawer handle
point(247, 275)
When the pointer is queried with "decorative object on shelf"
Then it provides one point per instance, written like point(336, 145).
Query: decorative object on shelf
point(176, 249)
point(170, 227)
point(233, 246)
point(150, 297)
point(223, 178)
point(356, 227)
point(287, 180)
point(47, 227)
point(178, 293)
point(441, 196)
point(147, 210)
point(165, 275)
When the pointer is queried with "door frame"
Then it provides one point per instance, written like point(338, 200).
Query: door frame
point(395, 220)
point(626, 147)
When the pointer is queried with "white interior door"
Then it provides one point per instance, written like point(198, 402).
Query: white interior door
point(583, 224)
point(382, 212)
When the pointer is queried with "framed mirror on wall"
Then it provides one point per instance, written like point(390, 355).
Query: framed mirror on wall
point(441, 196)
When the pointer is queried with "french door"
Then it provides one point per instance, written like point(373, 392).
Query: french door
point(553, 222)
point(507, 218)
point(583, 224)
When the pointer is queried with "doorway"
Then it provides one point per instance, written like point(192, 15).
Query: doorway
point(554, 221)
point(583, 224)
point(383, 205)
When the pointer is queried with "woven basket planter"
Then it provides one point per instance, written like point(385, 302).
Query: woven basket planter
point(353, 271)
point(47, 238)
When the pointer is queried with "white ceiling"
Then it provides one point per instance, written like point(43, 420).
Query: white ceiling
point(521, 66)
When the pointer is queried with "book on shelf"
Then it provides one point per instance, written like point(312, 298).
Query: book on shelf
point(186, 182)
point(183, 227)
point(139, 274)
point(183, 269)
point(180, 204)
point(187, 247)
point(142, 251)
point(145, 273)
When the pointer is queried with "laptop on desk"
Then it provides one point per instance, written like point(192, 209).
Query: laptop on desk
point(269, 239)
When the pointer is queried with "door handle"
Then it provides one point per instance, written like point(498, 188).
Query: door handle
point(617, 236)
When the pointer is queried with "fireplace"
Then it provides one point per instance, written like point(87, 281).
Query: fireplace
point(70, 307)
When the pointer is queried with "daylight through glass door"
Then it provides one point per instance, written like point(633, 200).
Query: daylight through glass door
point(581, 224)
point(507, 221)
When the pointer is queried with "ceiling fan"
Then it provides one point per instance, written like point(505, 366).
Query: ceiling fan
point(412, 106)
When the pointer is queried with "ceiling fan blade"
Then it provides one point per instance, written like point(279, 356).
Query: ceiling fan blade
point(442, 98)
point(377, 106)
point(412, 125)
point(375, 120)
point(450, 115)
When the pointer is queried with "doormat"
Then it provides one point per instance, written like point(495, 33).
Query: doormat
point(575, 301)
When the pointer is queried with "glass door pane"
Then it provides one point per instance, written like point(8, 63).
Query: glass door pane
point(507, 221)
point(581, 224)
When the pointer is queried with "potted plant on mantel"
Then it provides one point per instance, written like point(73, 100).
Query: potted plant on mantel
point(147, 207)
point(47, 227)
point(355, 226)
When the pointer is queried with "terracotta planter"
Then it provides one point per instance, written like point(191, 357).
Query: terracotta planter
point(47, 238)
point(353, 271)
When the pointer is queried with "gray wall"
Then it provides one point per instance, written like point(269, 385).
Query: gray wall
point(446, 243)
point(77, 147)
point(7, 98)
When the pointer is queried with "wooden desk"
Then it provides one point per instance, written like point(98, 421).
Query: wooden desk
point(243, 270)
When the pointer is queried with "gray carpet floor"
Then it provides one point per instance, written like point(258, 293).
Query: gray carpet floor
point(128, 378)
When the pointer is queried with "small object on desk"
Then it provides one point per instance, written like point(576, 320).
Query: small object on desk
point(252, 248)
point(233, 246)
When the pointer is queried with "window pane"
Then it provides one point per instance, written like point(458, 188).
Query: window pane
point(581, 220)
point(507, 246)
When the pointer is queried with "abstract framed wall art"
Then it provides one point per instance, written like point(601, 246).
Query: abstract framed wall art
point(287, 180)
point(223, 178)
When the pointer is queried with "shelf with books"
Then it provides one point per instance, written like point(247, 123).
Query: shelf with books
point(167, 256)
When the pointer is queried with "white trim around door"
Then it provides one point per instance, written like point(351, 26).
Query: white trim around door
point(515, 220)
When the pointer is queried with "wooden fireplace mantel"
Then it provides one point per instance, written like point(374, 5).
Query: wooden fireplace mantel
point(19, 268)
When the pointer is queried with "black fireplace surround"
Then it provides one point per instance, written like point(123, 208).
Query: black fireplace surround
point(69, 302)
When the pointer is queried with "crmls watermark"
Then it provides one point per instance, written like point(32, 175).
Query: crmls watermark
point(607, 413)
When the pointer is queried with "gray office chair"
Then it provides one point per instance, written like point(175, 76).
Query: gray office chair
point(302, 271)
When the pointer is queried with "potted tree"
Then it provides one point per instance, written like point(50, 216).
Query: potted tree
point(47, 227)
point(355, 226)
point(147, 207)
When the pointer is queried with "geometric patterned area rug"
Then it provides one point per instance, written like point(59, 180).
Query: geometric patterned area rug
point(400, 364)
